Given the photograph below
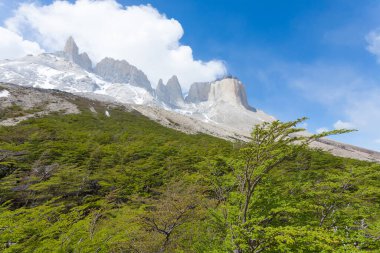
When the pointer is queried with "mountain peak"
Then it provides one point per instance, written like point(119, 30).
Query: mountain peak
point(160, 84)
point(171, 93)
point(71, 51)
point(120, 71)
point(228, 90)
point(173, 81)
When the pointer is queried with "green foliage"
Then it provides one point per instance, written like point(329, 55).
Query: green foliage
point(91, 183)
point(278, 206)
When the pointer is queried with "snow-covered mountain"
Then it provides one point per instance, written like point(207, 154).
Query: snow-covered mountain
point(222, 102)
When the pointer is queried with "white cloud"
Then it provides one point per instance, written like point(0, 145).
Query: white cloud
point(373, 40)
point(139, 34)
point(344, 91)
point(322, 130)
point(13, 45)
point(343, 125)
point(377, 141)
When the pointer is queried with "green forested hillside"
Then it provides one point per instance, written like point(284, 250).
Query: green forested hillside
point(91, 183)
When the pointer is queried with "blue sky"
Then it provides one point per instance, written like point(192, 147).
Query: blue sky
point(267, 44)
point(296, 57)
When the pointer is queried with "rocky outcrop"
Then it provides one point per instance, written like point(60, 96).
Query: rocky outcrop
point(171, 93)
point(71, 52)
point(225, 91)
point(33, 103)
point(116, 71)
point(230, 91)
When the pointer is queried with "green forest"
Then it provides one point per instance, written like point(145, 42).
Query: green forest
point(91, 183)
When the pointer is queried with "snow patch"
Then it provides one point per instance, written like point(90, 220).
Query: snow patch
point(4, 94)
point(92, 109)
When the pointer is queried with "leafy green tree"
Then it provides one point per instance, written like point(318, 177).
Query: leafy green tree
point(91, 183)
point(178, 204)
point(272, 144)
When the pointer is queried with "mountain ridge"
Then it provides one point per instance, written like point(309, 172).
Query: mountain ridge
point(224, 103)
point(218, 108)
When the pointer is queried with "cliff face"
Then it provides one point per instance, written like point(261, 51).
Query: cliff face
point(198, 92)
point(228, 91)
point(116, 71)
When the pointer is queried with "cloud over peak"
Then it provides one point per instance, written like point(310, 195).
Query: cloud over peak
point(139, 34)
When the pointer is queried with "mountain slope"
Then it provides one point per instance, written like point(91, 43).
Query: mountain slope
point(28, 103)
point(93, 180)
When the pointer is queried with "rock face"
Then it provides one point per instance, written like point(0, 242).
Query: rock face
point(71, 49)
point(171, 93)
point(226, 91)
point(109, 69)
point(71, 52)
point(230, 91)
point(161, 92)
point(84, 61)
point(198, 93)
point(116, 71)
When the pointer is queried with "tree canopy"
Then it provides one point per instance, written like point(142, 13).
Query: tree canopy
point(91, 183)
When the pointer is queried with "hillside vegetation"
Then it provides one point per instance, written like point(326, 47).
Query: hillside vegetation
point(92, 183)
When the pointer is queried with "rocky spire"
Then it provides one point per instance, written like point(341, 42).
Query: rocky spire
point(174, 91)
point(161, 92)
point(171, 93)
point(72, 54)
point(71, 49)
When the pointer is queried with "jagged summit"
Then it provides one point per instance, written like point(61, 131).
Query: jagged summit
point(227, 90)
point(120, 71)
point(222, 102)
point(171, 93)
point(161, 92)
point(71, 51)
point(109, 69)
